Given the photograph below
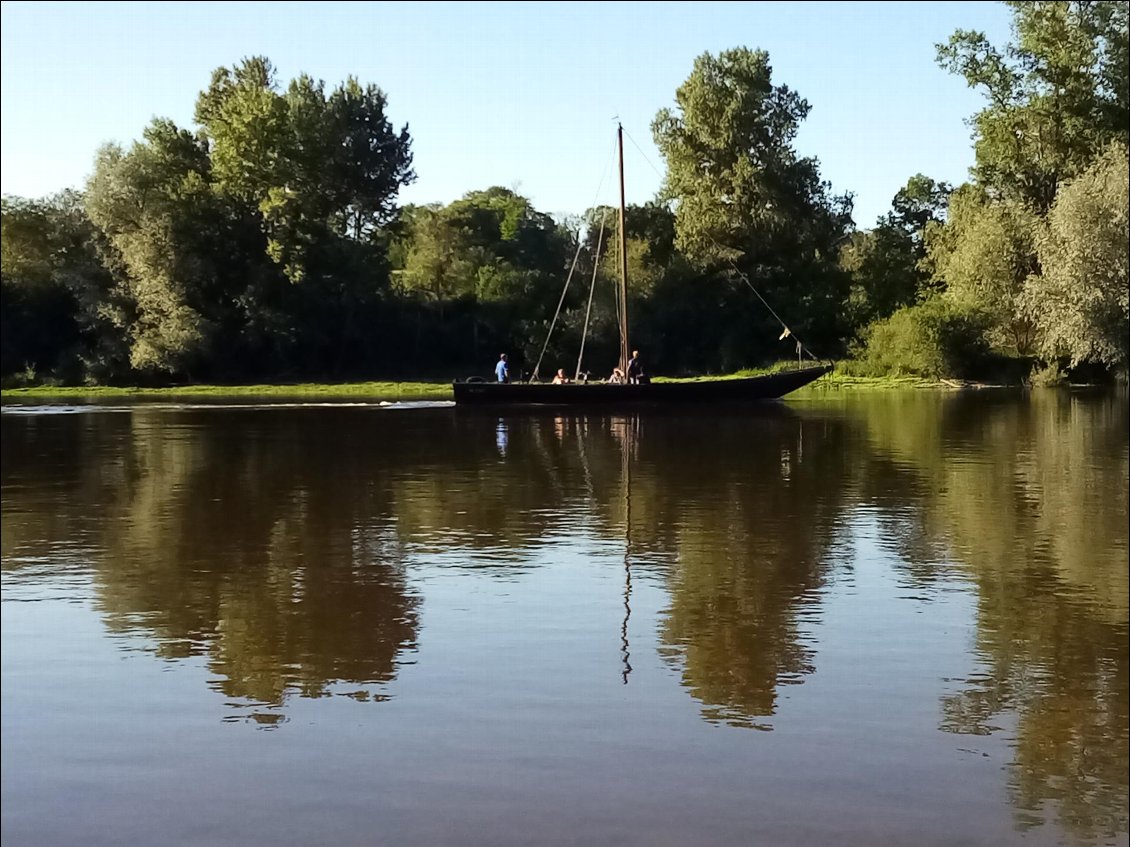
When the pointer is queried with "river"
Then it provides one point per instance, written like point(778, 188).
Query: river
point(881, 618)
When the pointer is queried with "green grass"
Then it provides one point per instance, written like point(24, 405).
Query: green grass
point(392, 391)
point(836, 381)
point(354, 390)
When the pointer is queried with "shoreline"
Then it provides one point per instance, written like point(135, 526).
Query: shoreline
point(397, 391)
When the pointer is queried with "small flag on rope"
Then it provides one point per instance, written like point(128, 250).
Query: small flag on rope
point(785, 334)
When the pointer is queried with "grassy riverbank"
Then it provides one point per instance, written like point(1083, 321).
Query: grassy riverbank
point(375, 391)
point(396, 391)
point(837, 380)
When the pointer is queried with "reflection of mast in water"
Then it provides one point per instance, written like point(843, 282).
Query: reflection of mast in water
point(626, 467)
point(502, 437)
point(624, 654)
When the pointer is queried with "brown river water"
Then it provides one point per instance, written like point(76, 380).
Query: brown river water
point(890, 618)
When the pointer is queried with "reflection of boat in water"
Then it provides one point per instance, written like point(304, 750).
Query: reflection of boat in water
point(705, 390)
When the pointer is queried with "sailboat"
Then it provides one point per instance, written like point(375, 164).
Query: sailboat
point(697, 392)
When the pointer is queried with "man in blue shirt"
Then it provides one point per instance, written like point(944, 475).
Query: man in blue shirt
point(502, 370)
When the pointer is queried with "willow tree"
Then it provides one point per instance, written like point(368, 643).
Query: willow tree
point(1057, 97)
point(1080, 302)
point(982, 257)
point(155, 207)
point(744, 198)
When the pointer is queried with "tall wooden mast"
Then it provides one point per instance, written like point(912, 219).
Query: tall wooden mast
point(625, 350)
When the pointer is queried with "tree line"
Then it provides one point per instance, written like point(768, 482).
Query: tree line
point(268, 242)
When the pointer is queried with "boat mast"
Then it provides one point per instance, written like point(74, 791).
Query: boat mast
point(624, 348)
point(628, 433)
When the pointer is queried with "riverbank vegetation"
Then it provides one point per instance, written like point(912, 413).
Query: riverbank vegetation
point(266, 244)
point(370, 392)
point(358, 391)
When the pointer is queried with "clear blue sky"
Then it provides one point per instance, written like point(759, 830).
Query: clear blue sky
point(515, 94)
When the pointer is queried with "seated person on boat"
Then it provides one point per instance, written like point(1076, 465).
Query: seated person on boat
point(560, 378)
point(617, 377)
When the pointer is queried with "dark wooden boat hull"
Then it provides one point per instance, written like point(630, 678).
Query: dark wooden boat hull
point(768, 387)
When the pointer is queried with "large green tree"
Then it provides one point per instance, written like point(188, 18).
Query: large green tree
point(1057, 97)
point(486, 270)
point(155, 207)
point(312, 167)
point(745, 200)
point(490, 245)
point(258, 243)
point(1057, 94)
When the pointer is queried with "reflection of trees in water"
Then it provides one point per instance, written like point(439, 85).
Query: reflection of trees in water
point(277, 543)
point(1031, 499)
point(749, 503)
point(234, 537)
point(45, 469)
point(743, 501)
point(221, 539)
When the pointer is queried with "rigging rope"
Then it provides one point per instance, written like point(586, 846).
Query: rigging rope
point(787, 331)
point(553, 323)
point(592, 288)
point(576, 256)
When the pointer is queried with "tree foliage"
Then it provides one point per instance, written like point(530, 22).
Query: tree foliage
point(884, 273)
point(54, 292)
point(313, 167)
point(1057, 98)
point(203, 231)
point(155, 207)
point(886, 263)
point(1080, 302)
point(745, 200)
point(936, 338)
point(917, 204)
point(981, 257)
point(1057, 94)
point(741, 188)
point(491, 245)
point(267, 241)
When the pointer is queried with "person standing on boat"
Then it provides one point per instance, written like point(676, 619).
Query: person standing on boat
point(635, 368)
point(502, 369)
